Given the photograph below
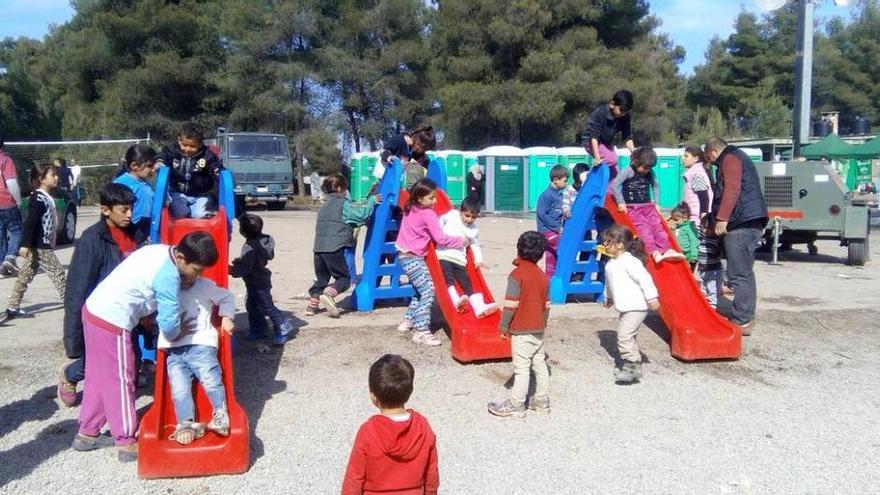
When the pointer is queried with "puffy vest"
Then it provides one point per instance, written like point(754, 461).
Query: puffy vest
point(331, 232)
point(751, 204)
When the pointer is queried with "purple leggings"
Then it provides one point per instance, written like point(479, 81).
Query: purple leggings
point(649, 227)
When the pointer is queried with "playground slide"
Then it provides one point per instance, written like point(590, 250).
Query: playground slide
point(696, 330)
point(159, 457)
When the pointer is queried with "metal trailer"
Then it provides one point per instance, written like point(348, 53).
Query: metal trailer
point(808, 201)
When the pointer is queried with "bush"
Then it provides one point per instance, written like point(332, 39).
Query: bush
point(92, 180)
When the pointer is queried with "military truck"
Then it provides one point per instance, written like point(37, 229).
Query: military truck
point(808, 201)
point(260, 164)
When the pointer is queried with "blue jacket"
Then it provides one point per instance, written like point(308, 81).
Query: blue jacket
point(549, 210)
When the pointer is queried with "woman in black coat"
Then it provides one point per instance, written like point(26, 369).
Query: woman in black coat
point(476, 183)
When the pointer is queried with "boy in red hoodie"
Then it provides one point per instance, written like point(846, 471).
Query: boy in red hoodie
point(526, 309)
point(395, 452)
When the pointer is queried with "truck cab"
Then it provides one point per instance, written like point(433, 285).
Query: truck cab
point(260, 164)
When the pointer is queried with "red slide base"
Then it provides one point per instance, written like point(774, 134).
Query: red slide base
point(696, 331)
point(159, 457)
point(473, 339)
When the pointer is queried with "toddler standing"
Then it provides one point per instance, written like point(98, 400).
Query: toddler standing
point(37, 241)
point(637, 190)
point(524, 321)
point(549, 215)
point(462, 223)
point(631, 291)
point(709, 262)
point(420, 226)
point(685, 232)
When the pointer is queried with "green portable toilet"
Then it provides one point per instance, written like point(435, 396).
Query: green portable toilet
point(756, 154)
point(362, 179)
point(669, 173)
point(456, 173)
point(572, 155)
point(506, 178)
point(541, 159)
point(623, 158)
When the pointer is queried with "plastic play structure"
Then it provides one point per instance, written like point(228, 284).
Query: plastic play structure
point(473, 339)
point(590, 272)
point(696, 330)
point(159, 457)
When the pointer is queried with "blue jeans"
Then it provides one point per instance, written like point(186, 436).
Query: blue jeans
point(259, 305)
point(183, 206)
point(10, 233)
point(199, 362)
point(739, 246)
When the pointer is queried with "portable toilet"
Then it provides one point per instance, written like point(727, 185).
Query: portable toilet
point(456, 172)
point(571, 155)
point(669, 173)
point(361, 177)
point(506, 173)
point(541, 159)
point(756, 154)
point(623, 157)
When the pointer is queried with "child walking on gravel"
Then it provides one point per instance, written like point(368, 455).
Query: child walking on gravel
point(37, 241)
point(631, 291)
point(395, 451)
point(256, 252)
point(420, 226)
point(524, 321)
point(334, 234)
point(193, 354)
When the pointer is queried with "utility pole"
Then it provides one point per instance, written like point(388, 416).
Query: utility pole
point(803, 76)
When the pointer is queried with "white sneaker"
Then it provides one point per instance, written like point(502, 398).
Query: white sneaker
point(330, 305)
point(426, 338)
point(405, 326)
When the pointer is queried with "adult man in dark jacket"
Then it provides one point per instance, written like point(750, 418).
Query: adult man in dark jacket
point(99, 249)
point(740, 215)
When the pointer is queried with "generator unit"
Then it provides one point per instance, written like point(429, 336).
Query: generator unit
point(808, 201)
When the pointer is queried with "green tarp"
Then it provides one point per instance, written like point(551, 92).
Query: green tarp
point(831, 146)
point(867, 150)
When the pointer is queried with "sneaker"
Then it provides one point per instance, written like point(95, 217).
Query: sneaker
point(330, 305)
point(461, 303)
point(279, 339)
point(85, 443)
point(746, 328)
point(220, 423)
point(66, 390)
point(286, 327)
point(8, 269)
point(18, 313)
point(311, 310)
point(540, 404)
point(404, 327)
point(127, 453)
point(628, 374)
point(426, 338)
point(505, 408)
point(489, 310)
point(187, 432)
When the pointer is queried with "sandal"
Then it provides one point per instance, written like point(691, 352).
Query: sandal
point(187, 432)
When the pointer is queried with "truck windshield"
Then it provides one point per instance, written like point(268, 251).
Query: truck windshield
point(257, 146)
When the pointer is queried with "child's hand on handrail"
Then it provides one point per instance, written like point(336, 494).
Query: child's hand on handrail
point(227, 325)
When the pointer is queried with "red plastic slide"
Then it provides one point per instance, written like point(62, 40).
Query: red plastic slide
point(696, 330)
point(159, 457)
point(473, 339)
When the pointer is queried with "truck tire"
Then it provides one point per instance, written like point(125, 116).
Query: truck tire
point(68, 226)
point(857, 252)
point(276, 205)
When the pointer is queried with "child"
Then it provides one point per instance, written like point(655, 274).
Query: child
point(138, 164)
point(629, 288)
point(605, 122)
point(334, 234)
point(194, 172)
point(579, 177)
point(636, 191)
point(10, 214)
point(193, 354)
point(406, 146)
point(549, 215)
point(420, 226)
point(698, 185)
point(685, 232)
point(454, 261)
point(709, 261)
point(256, 252)
point(524, 321)
point(37, 241)
point(148, 281)
point(394, 451)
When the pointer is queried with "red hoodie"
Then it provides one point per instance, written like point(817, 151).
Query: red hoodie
point(393, 457)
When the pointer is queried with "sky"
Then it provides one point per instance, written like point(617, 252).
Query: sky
point(690, 23)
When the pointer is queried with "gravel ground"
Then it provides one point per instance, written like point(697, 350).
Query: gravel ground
point(791, 416)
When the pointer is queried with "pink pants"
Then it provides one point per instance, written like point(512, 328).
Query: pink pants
point(550, 253)
point(109, 391)
point(649, 226)
point(609, 156)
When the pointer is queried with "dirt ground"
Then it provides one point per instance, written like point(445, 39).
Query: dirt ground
point(792, 415)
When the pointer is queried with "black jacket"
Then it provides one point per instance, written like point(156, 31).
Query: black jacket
point(750, 209)
point(38, 229)
point(251, 265)
point(95, 255)
point(196, 175)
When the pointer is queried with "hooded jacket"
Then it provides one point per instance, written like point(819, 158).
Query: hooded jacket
point(251, 265)
point(191, 175)
point(393, 457)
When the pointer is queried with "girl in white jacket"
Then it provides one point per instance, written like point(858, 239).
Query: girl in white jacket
point(630, 289)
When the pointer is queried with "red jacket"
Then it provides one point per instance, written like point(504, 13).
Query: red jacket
point(391, 457)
